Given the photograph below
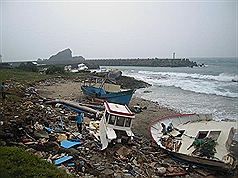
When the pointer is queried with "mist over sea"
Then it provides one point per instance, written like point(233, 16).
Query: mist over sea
point(210, 89)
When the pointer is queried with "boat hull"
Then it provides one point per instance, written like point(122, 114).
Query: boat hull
point(214, 165)
point(192, 126)
point(122, 97)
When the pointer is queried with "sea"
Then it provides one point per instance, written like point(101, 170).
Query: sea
point(211, 88)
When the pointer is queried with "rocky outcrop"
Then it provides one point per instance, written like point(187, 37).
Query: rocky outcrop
point(130, 82)
point(63, 57)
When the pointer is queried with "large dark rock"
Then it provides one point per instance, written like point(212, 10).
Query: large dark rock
point(130, 82)
point(62, 58)
point(62, 55)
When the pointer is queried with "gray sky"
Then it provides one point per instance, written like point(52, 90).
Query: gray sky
point(118, 29)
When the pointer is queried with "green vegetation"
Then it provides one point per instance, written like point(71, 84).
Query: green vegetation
point(29, 78)
point(16, 162)
point(18, 80)
point(29, 66)
point(21, 76)
point(55, 70)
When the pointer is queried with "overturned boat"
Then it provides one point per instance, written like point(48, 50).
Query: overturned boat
point(199, 139)
point(115, 124)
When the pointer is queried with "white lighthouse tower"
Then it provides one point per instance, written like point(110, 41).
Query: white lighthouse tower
point(174, 55)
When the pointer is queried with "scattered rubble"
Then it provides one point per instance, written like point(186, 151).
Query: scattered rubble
point(50, 132)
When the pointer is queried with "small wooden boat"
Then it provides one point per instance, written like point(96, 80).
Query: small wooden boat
point(103, 72)
point(114, 74)
point(199, 139)
point(121, 97)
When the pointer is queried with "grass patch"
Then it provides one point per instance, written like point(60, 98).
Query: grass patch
point(16, 162)
point(28, 78)
point(20, 80)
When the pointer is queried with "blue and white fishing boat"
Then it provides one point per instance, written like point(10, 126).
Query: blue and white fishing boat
point(106, 89)
point(114, 96)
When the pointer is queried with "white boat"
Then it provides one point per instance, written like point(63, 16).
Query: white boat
point(115, 123)
point(81, 67)
point(199, 139)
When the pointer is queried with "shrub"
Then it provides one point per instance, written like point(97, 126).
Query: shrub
point(29, 66)
point(16, 162)
point(55, 69)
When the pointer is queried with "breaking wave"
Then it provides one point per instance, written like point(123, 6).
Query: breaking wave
point(222, 84)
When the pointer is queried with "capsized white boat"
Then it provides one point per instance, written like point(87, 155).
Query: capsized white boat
point(115, 123)
point(81, 67)
point(198, 138)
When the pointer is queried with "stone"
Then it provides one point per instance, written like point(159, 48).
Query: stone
point(108, 172)
point(73, 151)
point(63, 168)
point(39, 154)
point(41, 134)
point(2, 143)
point(161, 170)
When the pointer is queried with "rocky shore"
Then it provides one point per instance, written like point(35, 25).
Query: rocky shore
point(23, 124)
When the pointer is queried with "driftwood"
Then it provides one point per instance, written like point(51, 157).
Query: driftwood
point(75, 105)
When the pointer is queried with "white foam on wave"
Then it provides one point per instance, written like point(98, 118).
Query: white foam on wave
point(189, 102)
point(223, 77)
point(208, 84)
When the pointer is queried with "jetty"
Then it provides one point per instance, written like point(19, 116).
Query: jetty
point(149, 62)
point(65, 57)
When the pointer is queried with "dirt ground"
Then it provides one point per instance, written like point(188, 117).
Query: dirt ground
point(70, 90)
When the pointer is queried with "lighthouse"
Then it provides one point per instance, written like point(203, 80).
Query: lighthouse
point(174, 55)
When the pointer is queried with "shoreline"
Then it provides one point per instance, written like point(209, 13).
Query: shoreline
point(70, 90)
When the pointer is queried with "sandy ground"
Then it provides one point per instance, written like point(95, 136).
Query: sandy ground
point(70, 90)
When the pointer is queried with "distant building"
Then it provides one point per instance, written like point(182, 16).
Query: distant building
point(173, 55)
point(0, 58)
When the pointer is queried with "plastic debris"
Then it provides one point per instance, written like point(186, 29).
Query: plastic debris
point(63, 159)
point(69, 144)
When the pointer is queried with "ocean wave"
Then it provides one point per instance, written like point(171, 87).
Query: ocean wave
point(223, 77)
point(221, 84)
point(189, 102)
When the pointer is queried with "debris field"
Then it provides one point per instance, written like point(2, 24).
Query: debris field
point(50, 132)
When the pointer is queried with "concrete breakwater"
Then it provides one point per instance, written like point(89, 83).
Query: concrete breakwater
point(154, 62)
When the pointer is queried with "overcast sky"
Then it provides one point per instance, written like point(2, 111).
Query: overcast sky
point(118, 29)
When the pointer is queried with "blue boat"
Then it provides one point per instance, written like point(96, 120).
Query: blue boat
point(99, 94)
